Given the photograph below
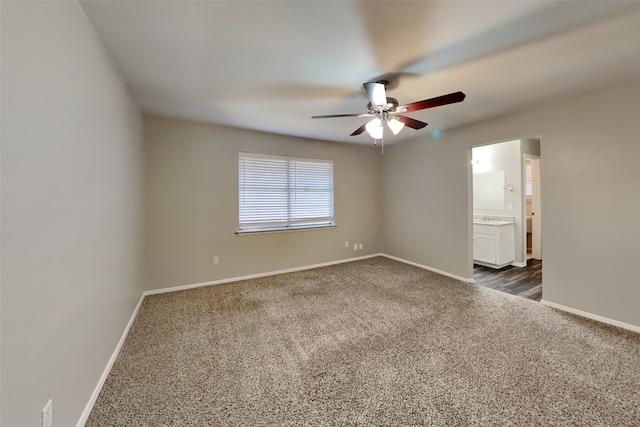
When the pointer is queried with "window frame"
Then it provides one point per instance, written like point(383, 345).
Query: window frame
point(286, 222)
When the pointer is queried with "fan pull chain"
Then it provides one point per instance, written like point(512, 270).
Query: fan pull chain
point(375, 142)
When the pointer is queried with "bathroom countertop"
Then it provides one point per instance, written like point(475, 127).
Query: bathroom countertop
point(481, 222)
point(493, 219)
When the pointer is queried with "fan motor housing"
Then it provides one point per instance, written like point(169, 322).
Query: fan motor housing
point(392, 103)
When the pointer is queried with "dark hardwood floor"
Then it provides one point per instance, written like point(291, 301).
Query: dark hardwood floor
point(522, 281)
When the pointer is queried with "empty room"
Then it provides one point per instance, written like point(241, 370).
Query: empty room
point(236, 213)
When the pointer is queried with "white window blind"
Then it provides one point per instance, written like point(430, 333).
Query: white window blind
point(282, 192)
point(528, 181)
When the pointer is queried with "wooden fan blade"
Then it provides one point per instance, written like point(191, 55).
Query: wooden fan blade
point(359, 130)
point(412, 123)
point(451, 98)
point(331, 116)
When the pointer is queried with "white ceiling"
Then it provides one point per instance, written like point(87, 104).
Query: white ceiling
point(271, 65)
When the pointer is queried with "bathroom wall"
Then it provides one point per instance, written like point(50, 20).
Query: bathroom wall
point(530, 146)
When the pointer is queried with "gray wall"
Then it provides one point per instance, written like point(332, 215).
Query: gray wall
point(72, 211)
point(427, 210)
point(590, 189)
point(192, 204)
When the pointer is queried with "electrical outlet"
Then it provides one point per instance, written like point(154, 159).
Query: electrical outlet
point(360, 246)
point(216, 261)
point(346, 244)
point(47, 414)
point(355, 246)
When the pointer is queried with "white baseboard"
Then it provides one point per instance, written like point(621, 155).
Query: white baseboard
point(94, 396)
point(519, 264)
point(435, 270)
point(255, 276)
point(592, 316)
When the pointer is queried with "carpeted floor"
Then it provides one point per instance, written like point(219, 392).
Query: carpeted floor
point(373, 342)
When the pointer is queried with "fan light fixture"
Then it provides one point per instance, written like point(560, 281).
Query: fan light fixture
point(374, 127)
point(395, 125)
point(376, 130)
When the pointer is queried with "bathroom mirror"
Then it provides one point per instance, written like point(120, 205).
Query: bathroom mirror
point(488, 190)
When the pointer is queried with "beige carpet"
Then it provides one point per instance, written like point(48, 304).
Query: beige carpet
point(373, 342)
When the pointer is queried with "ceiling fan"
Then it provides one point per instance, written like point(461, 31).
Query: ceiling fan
point(386, 109)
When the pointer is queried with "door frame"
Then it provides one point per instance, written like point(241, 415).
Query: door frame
point(536, 208)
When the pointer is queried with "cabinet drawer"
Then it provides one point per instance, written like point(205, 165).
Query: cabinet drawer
point(485, 229)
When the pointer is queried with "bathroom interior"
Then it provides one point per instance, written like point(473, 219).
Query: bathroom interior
point(507, 253)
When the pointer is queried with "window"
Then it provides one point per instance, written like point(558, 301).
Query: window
point(279, 193)
point(528, 181)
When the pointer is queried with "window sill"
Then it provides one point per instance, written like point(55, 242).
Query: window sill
point(284, 230)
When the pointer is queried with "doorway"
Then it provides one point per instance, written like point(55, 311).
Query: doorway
point(518, 201)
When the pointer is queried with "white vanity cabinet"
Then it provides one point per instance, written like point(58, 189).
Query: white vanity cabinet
point(493, 244)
